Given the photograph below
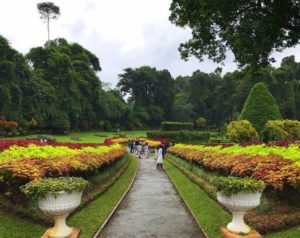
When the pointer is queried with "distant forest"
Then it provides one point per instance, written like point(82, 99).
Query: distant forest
point(57, 86)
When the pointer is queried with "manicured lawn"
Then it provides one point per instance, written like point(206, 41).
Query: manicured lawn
point(207, 211)
point(290, 233)
point(89, 219)
point(12, 227)
point(86, 137)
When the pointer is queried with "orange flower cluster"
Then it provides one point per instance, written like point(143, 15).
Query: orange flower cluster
point(34, 168)
point(8, 124)
point(274, 170)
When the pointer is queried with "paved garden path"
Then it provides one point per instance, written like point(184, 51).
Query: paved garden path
point(151, 209)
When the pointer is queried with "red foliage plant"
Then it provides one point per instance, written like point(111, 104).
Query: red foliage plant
point(5, 144)
point(274, 170)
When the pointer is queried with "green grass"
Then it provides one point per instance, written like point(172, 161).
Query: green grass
point(88, 219)
point(290, 233)
point(207, 212)
point(91, 217)
point(85, 137)
point(12, 227)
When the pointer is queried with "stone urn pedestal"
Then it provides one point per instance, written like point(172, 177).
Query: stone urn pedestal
point(59, 207)
point(228, 234)
point(238, 204)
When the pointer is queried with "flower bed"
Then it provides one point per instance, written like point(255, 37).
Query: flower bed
point(275, 212)
point(123, 140)
point(276, 166)
point(5, 144)
point(22, 162)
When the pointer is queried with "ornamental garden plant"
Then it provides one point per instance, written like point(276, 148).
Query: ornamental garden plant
point(153, 143)
point(233, 185)
point(33, 175)
point(241, 131)
point(39, 189)
point(254, 165)
point(260, 107)
point(238, 195)
point(57, 197)
point(24, 161)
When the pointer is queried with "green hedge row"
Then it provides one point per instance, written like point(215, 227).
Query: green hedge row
point(176, 126)
point(181, 136)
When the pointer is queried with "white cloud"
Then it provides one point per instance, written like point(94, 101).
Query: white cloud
point(122, 33)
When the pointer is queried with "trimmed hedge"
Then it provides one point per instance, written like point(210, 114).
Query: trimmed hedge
point(260, 107)
point(181, 136)
point(176, 126)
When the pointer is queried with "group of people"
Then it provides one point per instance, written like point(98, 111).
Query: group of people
point(140, 148)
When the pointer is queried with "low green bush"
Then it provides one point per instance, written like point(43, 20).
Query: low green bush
point(40, 188)
point(201, 122)
point(241, 131)
point(233, 185)
point(176, 126)
point(281, 130)
point(181, 136)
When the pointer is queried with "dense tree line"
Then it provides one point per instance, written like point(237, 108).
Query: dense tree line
point(57, 85)
point(150, 93)
point(221, 99)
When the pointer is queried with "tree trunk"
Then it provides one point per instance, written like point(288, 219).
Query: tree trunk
point(48, 28)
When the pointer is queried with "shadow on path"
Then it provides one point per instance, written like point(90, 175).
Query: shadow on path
point(151, 209)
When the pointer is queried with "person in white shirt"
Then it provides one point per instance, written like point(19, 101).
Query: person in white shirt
point(139, 150)
point(146, 150)
point(160, 159)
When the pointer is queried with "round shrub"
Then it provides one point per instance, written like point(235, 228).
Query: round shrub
point(201, 122)
point(260, 107)
point(274, 131)
point(241, 131)
point(281, 130)
point(292, 127)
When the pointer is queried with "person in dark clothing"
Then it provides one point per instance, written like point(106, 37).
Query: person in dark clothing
point(131, 146)
point(164, 149)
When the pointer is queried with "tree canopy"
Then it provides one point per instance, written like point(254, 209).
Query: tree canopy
point(260, 107)
point(150, 91)
point(251, 29)
point(57, 85)
point(48, 11)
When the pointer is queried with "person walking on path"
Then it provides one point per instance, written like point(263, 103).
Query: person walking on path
point(146, 150)
point(129, 143)
point(131, 146)
point(160, 158)
point(139, 150)
point(165, 148)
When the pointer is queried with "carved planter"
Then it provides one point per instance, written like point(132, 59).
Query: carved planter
point(59, 207)
point(238, 204)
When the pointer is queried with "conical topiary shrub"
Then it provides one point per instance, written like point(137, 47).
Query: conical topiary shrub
point(260, 107)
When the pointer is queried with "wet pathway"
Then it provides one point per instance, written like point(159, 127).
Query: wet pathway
point(151, 209)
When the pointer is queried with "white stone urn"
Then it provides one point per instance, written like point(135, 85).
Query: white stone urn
point(60, 206)
point(238, 204)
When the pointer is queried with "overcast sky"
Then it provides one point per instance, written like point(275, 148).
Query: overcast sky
point(122, 33)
